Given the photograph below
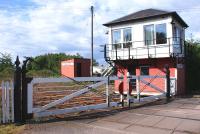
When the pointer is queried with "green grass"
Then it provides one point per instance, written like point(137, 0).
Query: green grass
point(11, 129)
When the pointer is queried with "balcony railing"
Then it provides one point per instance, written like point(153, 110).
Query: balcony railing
point(140, 50)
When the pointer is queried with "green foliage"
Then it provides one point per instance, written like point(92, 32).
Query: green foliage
point(193, 66)
point(48, 64)
point(6, 66)
point(95, 63)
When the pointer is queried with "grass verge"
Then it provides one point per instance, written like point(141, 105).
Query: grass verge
point(11, 129)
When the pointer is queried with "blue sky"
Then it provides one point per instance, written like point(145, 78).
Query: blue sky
point(35, 27)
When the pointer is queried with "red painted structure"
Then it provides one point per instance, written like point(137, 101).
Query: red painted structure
point(77, 67)
point(156, 67)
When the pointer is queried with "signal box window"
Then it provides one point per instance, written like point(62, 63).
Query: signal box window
point(144, 70)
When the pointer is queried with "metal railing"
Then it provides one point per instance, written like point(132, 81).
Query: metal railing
point(139, 49)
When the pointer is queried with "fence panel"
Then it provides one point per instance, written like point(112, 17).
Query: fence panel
point(7, 102)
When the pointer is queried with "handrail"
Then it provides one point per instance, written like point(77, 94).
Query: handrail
point(127, 52)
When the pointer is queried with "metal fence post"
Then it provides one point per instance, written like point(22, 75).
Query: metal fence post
point(167, 71)
point(17, 92)
point(107, 91)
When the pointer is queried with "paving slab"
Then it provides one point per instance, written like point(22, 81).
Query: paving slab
point(144, 111)
point(173, 104)
point(70, 128)
point(168, 123)
point(191, 106)
point(178, 113)
point(177, 132)
point(110, 125)
point(191, 126)
point(147, 130)
point(116, 116)
point(181, 116)
point(149, 121)
point(133, 118)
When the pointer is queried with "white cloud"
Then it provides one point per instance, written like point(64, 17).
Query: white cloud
point(64, 25)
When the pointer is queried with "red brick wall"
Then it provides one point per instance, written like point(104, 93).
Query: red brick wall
point(67, 69)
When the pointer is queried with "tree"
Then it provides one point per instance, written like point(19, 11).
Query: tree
point(193, 65)
point(6, 66)
point(48, 64)
point(95, 63)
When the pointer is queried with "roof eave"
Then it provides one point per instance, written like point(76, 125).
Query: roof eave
point(174, 14)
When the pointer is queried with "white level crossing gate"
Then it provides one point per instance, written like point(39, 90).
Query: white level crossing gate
point(45, 109)
point(156, 88)
point(7, 102)
point(50, 108)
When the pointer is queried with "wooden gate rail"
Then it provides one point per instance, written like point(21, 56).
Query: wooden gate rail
point(74, 109)
point(68, 97)
point(42, 111)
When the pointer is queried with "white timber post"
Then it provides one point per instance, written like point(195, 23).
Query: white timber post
point(30, 98)
point(165, 84)
point(138, 87)
point(7, 102)
point(107, 92)
point(1, 109)
point(3, 102)
point(128, 89)
point(12, 100)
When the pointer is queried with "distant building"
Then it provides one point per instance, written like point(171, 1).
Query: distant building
point(98, 70)
point(77, 67)
point(142, 43)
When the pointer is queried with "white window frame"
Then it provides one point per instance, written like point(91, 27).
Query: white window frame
point(154, 35)
point(122, 36)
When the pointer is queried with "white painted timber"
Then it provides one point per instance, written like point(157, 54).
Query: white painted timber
point(30, 97)
point(108, 93)
point(77, 79)
point(152, 76)
point(74, 109)
point(138, 87)
point(138, 49)
point(7, 102)
point(12, 101)
point(84, 90)
point(3, 103)
point(152, 86)
point(150, 98)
